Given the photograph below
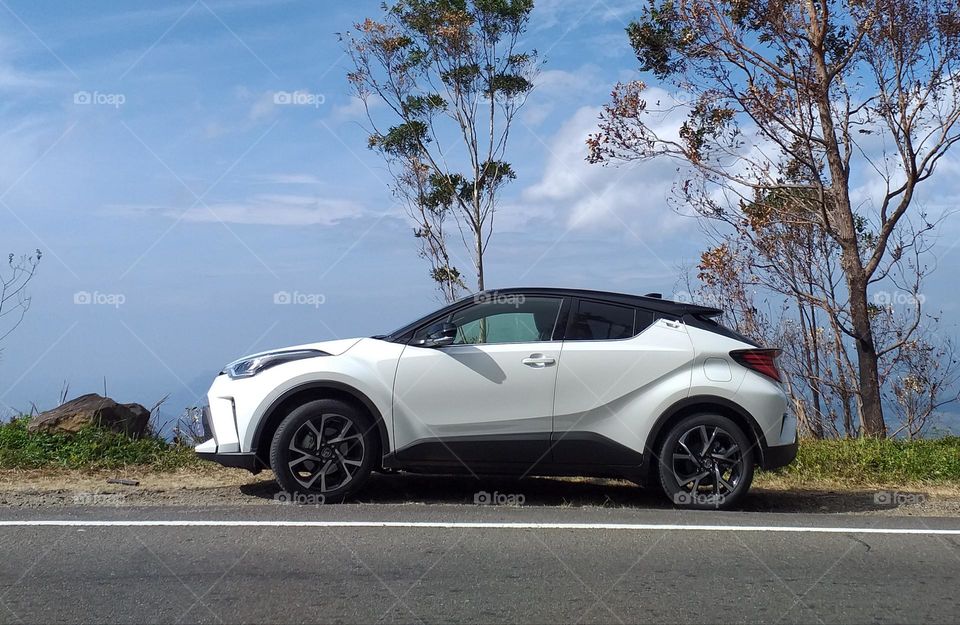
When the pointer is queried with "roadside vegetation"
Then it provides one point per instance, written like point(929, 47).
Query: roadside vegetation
point(864, 461)
point(91, 448)
point(820, 463)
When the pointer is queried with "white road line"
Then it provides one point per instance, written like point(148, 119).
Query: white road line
point(492, 525)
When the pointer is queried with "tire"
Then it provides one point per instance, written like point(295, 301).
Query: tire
point(323, 451)
point(706, 463)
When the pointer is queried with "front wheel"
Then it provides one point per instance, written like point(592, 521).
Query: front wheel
point(325, 449)
point(706, 463)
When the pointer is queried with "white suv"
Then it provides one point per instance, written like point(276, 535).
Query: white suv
point(518, 382)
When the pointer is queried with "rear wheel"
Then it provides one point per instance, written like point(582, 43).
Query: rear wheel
point(706, 462)
point(324, 448)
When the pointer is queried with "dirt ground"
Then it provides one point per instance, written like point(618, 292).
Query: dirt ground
point(215, 486)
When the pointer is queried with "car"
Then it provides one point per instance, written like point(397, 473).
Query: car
point(520, 382)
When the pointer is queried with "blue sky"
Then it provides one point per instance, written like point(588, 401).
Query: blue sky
point(142, 151)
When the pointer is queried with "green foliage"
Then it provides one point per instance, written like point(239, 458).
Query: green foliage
point(91, 448)
point(403, 140)
point(446, 69)
point(658, 39)
point(871, 460)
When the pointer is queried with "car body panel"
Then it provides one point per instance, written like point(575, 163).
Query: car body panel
point(618, 388)
point(598, 403)
point(236, 406)
point(473, 390)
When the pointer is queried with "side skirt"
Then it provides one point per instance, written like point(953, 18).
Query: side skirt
point(568, 454)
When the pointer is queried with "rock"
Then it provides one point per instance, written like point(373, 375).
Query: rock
point(93, 409)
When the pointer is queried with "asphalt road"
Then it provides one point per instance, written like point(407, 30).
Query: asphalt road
point(477, 564)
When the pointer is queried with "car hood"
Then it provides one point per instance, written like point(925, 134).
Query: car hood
point(334, 348)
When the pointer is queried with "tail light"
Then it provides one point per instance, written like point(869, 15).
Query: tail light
point(763, 361)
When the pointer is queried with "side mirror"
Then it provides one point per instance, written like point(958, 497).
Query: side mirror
point(440, 335)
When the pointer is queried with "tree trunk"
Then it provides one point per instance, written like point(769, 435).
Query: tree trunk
point(871, 409)
point(844, 231)
point(478, 241)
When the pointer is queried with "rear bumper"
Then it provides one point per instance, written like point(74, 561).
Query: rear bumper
point(248, 461)
point(779, 456)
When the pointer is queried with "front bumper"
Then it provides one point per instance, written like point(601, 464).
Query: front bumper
point(236, 460)
point(250, 462)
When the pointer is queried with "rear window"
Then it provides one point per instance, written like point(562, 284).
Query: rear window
point(596, 321)
point(707, 323)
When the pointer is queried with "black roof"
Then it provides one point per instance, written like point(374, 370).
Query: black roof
point(656, 304)
point(649, 302)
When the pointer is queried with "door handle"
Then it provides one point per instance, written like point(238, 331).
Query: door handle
point(538, 361)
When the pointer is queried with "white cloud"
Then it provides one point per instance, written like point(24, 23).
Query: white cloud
point(354, 109)
point(632, 196)
point(263, 106)
point(263, 209)
point(563, 13)
point(555, 86)
point(289, 178)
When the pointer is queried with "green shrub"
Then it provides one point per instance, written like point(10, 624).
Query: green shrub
point(90, 448)
point(872, 460)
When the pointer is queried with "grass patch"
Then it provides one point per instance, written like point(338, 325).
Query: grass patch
point(91, 448)
point(871, 461)
point(818, 464)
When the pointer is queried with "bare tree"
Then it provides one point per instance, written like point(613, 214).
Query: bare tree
point(14, 301)
point(812, 93)
point(778, 282)
point(452, 81)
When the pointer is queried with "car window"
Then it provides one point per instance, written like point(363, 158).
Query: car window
point(507, 319)
point(595, 321)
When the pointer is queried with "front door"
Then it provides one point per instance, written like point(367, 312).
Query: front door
point(486, 400)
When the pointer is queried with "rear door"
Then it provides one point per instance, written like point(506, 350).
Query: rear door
point(618, 365)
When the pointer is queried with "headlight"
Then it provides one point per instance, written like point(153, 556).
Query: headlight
point(252, 365)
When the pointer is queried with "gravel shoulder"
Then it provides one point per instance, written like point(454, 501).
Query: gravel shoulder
point(216, 486)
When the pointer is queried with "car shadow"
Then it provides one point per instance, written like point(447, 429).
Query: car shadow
point(411, 488)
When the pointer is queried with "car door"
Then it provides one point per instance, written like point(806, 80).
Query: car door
point(619, 365)
point(485, 400)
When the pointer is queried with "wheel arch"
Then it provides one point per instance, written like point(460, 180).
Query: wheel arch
point(701, 403)
point(308, 391)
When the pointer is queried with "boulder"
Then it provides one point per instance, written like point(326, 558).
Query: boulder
point(96, 410)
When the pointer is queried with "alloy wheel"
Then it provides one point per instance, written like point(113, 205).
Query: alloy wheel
point(326, 452)
point(708, 462)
